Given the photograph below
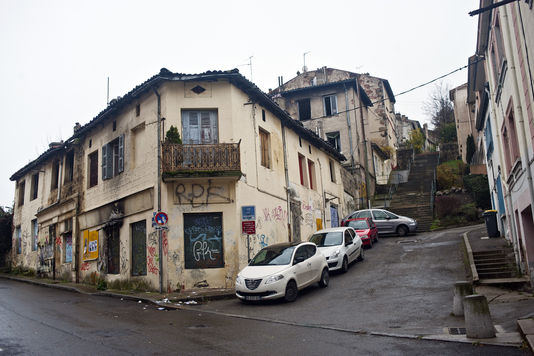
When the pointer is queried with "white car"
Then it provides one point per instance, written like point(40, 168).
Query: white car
point(281, 270)
point(340, 245)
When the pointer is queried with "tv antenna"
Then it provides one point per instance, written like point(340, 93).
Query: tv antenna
point(304, 68)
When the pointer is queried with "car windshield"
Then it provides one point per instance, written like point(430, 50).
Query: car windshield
point(327, 239)
point(273, 255)
point(358, 224)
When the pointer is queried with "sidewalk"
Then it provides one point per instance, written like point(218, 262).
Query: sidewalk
point(511, 304)
point(167, 300)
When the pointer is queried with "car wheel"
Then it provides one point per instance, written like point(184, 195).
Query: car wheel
point(370, 243)
point(376, 238)
point(325, 278)
point(345, 265)
point(291, 291)
point(361, 257)
point(402, 230)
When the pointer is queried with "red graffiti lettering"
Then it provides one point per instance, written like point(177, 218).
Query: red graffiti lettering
point(150, 260)
point(165, 243)
point(267, 214)
point(58, 241)
point(85, 266)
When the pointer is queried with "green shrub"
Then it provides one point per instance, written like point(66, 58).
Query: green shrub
point(173, 136)
point(449, 174)
point(477, 185)
point(101, 284)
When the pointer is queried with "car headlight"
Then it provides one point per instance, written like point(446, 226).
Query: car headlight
point(238, 280)
point(335, 254)
point(273, 279)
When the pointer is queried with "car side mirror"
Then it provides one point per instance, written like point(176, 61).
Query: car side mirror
point(298, 259)
point(349, 243)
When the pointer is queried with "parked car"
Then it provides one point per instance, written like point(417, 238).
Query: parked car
point(340, 245)
point(386, 222)
point(280, 271)
point(365, 228)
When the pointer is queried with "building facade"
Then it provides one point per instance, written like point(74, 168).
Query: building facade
point(338, 106)
point(464, 118)
point(500, 76)
point(131, 203)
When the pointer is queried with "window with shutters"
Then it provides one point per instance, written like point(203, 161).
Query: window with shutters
point(93, 169)
point(265, 148)
point(330, 105)
point(113, 158)
point(200, 127)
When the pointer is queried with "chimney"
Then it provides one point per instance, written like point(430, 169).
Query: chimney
point(77, 126)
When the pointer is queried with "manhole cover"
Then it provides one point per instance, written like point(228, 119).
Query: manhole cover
point(457, 331)
point(407, 241)
point(197, 327)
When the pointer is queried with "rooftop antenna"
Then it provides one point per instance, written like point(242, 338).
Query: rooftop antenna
point(248, 64)
point(304, 68)
point(107, 99)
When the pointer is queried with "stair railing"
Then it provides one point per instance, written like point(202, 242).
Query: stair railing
point(394, 183)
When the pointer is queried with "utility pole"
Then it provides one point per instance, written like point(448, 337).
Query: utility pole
point(366, 162)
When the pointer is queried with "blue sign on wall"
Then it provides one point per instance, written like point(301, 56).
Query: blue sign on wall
point(248, 213)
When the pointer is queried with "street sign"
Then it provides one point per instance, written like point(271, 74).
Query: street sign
point(161, 218)
point(248, 213)
point(248, 227)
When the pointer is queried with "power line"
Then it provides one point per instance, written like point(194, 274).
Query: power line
point(407, 91)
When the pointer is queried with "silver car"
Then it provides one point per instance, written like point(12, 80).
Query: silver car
point(386, 221)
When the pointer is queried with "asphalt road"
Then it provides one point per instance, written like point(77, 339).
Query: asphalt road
point(404, 287)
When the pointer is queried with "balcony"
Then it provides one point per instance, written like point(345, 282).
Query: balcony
point(188, 161)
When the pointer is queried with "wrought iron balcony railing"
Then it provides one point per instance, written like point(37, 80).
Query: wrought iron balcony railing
point(214, 158)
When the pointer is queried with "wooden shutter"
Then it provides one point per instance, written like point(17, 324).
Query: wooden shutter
point(121, 153)
point(105, 162)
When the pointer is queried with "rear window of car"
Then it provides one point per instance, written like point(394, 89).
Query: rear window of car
point(358, 224)
point(273, 256)
point(327, 239)
point(364, 214)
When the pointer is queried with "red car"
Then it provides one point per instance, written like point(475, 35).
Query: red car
point(365, 228)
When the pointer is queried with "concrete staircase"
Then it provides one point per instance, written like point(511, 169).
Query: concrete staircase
point(414, 198)
point(496, 264)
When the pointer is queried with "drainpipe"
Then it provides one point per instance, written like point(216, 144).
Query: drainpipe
point(160, 247)
point(347, 114)
point(520, 116)
point(286, 173)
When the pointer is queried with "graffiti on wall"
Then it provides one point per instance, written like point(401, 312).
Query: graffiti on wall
point(277, 214)
point(198, 194)
point(152, 260)
point(203, 242)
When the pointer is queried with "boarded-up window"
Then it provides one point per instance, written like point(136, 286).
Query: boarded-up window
point(203, 241)
point(55, 175)
point(18, 236)
point(200, 127)
point(35, 186)
point(35, 234)
point(304, 109)
point(21, 188)
point(265, 149)
point(67, 243)
point(311, 174)
point(93, 169)
point(69, 167)
point(138, 248)
point(114, 247)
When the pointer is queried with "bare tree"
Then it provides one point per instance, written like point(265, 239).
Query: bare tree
point(440, 109)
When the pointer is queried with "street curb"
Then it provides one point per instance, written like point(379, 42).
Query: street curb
point(474, 273)
point(198, 298)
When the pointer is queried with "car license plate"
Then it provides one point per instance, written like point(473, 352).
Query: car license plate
point(252, 297)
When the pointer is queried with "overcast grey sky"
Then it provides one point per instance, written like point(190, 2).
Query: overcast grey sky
point(56, 55)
